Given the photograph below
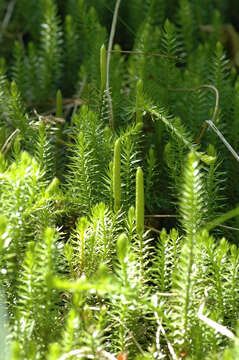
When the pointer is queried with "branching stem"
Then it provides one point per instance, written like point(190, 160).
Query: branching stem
point(205, 124)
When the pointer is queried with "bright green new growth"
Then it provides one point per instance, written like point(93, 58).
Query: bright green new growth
point(116, 176)
point(103, 65)
point(139, 203)
point(122, 247)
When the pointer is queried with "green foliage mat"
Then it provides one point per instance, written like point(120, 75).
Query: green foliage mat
point(119, 128)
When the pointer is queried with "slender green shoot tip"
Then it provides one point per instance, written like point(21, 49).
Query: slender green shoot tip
point(103, 66)
point(122, 247)
point(139, 201)
point(116, 176)
point(13, 87)
point(59, 104)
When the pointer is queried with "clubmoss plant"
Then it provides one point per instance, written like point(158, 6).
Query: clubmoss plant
point(118, 203)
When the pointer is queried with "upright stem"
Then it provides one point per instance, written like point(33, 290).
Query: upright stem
point(111, 39)
point(110, 45)
point(103, 71)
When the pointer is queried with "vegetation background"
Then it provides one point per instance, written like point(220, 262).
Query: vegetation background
point(119, 216)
